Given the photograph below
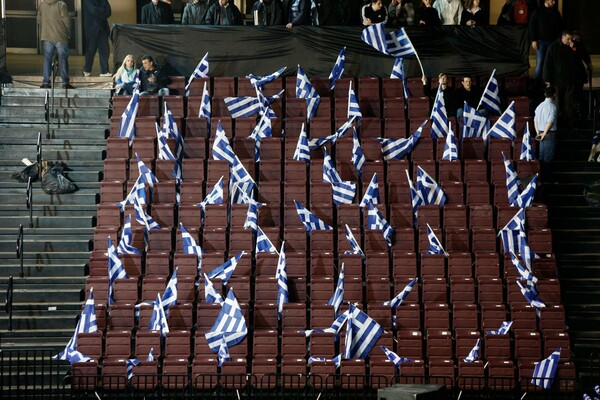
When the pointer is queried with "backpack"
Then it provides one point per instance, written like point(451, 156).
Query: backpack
point(520, 12)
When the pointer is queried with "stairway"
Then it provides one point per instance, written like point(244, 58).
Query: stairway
point(48, 298)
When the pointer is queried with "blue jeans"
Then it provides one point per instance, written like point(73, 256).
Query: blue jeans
point(540, 57)
point(546, 148)
point(50, 48)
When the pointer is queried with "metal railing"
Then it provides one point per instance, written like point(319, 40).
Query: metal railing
point(38, 151)
point(19, 248)
point(47, 113)
point(29, 200)
point(8, 303)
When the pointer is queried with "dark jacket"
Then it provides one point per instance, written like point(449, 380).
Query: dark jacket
point(195, 13)
point(472, 97)
point(274, 12)
point(478, 17)
point(162, 14)
point(152, 87)
point(302, 16)
point(429, 16)
point(545, 24)
point(376, 17)
point(449, 97)
point(231, 15)
point(561, 66)
point(95, 16)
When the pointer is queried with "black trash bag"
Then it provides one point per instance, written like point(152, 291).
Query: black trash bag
point(31, 171)
point(592, 194)
point(54, 182)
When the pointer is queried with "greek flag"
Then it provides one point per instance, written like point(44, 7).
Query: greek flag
point(190, 246)
point(302, 152)
point(512, 181)
point(358, 157)
point(395, 149)
point(376, 221)
point(491, 95)
point(362, 332)
point(450, 148)
point(398, 73)
point(260, 81)
point(416, 197)
point(225, 270)
point(523, 271)
point(221, 149)
point(305, 90)
point(252, 215)
point(131, 362)
point(338, 68)
point(210, 293)
point(215, 196)
point(125, 246)
point(400, 297)
point(474, 353)
point(171, 130)
point(223, 354)
point(229, 327)
point(263, 244)
point(282, 286)
point(439, 116)
point(264, 102)
point(531, 296)
point(353, 243)
point(527, 152)
point(86, 324)
point(241, 178)
point(473, 124)
point(242, 106)
point(169, 296)
point(525, 198)
point(396, 44)
point(526, 253)
point(337, 298)
point(143, 218)
point(544, 371)
point(204, 111)
point(138, 191)
point(353, 106)
point(115, 270)
point(164, 151)
point(343, 191)
point(329, 172)
point(393, 357)
point(314, 144)
point(435, 246)
point(337, 360)
point(127, 124)
point(158, 320)
point(510, 232)
point(201, 71)
point(309, 220)
point(432, 192)
point(260, 131)
point(503, 330)
point(335, 327)
point(372, 192)
point(505, 127)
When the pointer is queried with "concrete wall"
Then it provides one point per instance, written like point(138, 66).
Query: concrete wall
point(123, 12)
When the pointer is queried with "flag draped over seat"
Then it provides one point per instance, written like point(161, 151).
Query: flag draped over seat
point(201, 71)
point(337, 360)
point(127, 123)
point(362, 332)
point(138, 191)
point(474, 353)
point(305, 90)
point(230, 325)
point(225, 270)
point(526, 197)
point(375, 220)
point(281, 277)
point(86, 324)
point(309, 220)
point(338, 68)
point(343, 191)
point(509, 234)
point(490, 99)
point(395, 358)
point(302, 152)
point(503, 330)
point(115, 270)
point(395, 149)
point(545, 370)
point(337, 298)
point(215, 196)
point(505, 126)
point(416, 197)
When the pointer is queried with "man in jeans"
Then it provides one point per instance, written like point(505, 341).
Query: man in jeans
point(55, 27)
point(545, 126)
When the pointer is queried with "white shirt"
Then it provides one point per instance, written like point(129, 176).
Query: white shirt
point(545, 113)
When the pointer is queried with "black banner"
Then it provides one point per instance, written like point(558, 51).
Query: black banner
point(238, 51)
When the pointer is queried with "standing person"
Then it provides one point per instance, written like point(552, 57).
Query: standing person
point(561, 71)
point(157, 12)
point(55, 30)
point(224, 13)
point(545, 27)
point(373, 13)
point(126, 76)
point(584, 69)
point(95, 26)
point(472, 15)
point(152, 79)
point(506, 13)
point(427, 15)
point(401, 13)
point(195, 12)
point(545, 126)
point(298, 13)
point(449, 11)
point(271, 11)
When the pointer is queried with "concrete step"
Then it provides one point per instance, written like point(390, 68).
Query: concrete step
point(17, 186)
point(48, 320)
point(47, 222)
point(78, 176)
point(32, 269)
point(55, 133)
point(40, 125)
point(50, 210)
point(51, 153)
point(18, 114)
point(58, 244)
point(59, 102)
point(58, 92)
point(46, 257)
point(17, 196)
point(54, 339)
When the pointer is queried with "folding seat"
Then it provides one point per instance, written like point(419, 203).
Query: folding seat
point(377, 289)
point(527, 168)
point(176, 106)
point(465, 340)
point(399, 192)
point(523, 317)
point(117, 344)
point(293, 316)
point(472, 148)
point(321, 262)
point(240, 239)
point(342, 85)
point(264, 373)
point(84, 376)
point(430, 214)
point(382, 372)
point(126, 290)
point(369, 87)
point(457, 240)
point(465, 317)
point(90, 344)
point(375, 242)
point(489, 290)
point(501, 373)
point(395, 127)
point(449, 170)
point(475, 170)
point(497, 346)
point(528, 345)
point(524, 374)
point(433, 266)
point(265, 343)
point(401, 215)
point(160, 239)
point(321, 240)
point(163, 214)
point(391, 87)
point(408, 315)
point(554, 340)
point(146, 340)
point(418, 107)
point(434, 289)
point(151, 286)
point(178, 344)
point(145, 149)
point(175, 373)
point(353, 374)
point(552, 318)
point(521, 104)
point(180, 317)
point(454, 192)
point(393, 107)
point(477, 193)
point(241, 284)
point(214, 240)
point(536, 216)
point(404, 265)
point(145, 375)
point(101, 234)
point(566, 375)
point(498, 146)
point(410, 343)
point(322, 344)
point(353, 263)
point(437, 316)
point(115, 169)
point(114, 375)
point(483, 240)
point(348, 214)
point(192, 192)
point(549, 291)
point(293, 343)
point(293, 373)
point(471, 375)
point(377, 265)
point(497, 171)
point(224, 86)
point(117, 148)
point(196, 127)
point(165, 192)
point(462, 290)
point(540, 240)
point(295, 238)
point(370, 108)
point(243, 148)
point(500, 195)
point(413, 372)
point(514, 86)
point(266, 289)
point(481, 216)
point(441, 372)
point(460, 265)
point(422, 152)
point(322, 375)
point(111, 192)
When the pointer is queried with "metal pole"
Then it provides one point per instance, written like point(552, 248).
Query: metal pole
point(30, 201)
point(3, 8)
point(20, 250)
point(9, 295)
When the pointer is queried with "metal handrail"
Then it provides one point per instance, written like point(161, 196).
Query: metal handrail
point(19, 248)
point(47, 113)
point(39, 150)
point(54, 71)
point(29, 200)
point(8, 303)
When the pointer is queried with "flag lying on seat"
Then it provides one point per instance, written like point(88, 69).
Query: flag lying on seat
point(395, 149)
point(353, 106)
point(512, 180)
point(393, 357)
point(281, 277)
point(127, 123)
point(309, 220)
point(435, 246)
point(473, 124)
point(372, 192)
point(337, 360)
point(474, 353)
point(229, 327)
point(503, 330)
point(545, 370)
point(337, 298)
point(431, 192)
point(169, 296)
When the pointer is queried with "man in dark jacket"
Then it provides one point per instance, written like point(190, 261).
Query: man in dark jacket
point(298, 13)
point(55, 29)
point(224, 13)
point(152, 79)
point(95, 25)
point(269, 12)
point(545, 27)
point(195, 12)
point(157, 12)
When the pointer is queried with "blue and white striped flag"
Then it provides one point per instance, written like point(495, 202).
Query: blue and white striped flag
point(225, 270)
point(223, 353)
point(260, 81)
point(337, 360)
point(338, 68)
point(335, 327)
point(525, 198)
point(263, 243)
point(86, 324)
point(503, 330)
point(505, 126)
point(305, 90)
point(131, 362)
point(362, 332)
point(221, 149)
point(510, 232)
point(143, 218)
point(450, 148)
point(527, 152)
point(158, 320)
point(201, 71)
point(474, 353)
point(597, 389)
point(353, 243)
point(400, 297)
point(490, 98)
point(309, 220)
point(264, 102)
point(239, 176)
point(358, 156)
point(210, 293)
point(171, 130)
point(430, 190)
point(435, 246)
point(512, 181)
point(302, 152)
point(395, 149)
point(375, 220)
point(190, 246)
point(530, 295)
point(343, 191)
point(393, 357)
point(473, 124)
point(398, 73)
point(396, 44)
point(205, 109)
point(260, 131)
point(138, 191)
point(242, 106)
point(215, 196)
point(169, 296)
point(282, 286)
point(544, 371)
point(527, 254)
point(522, 270)
point(416, 197)
point(115, 270)
point(229, 327)
point(125, 246)
point(145, 173)
point(337, 298)
point(127, 123)
point(372, 192)
point(439, 116)
point(353, 106)
point(252, 215)
point(314, 144)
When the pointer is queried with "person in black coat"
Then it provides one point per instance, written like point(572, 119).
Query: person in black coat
point(271, 11)
point(157, 12)
point(298, 13)
point(472, 15)
point(427, 15)
point(224, 13)
point(95, 26)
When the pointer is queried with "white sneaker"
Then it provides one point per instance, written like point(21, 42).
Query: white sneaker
point(87, 73)
point(107, 74)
